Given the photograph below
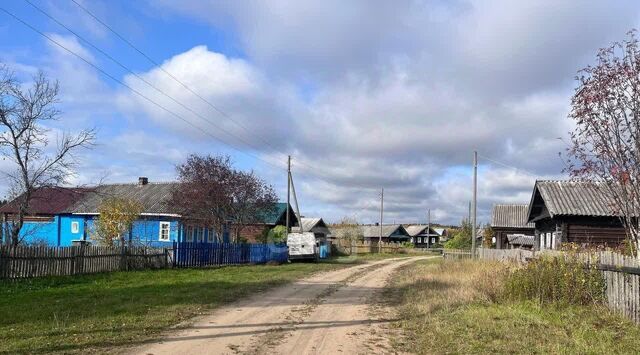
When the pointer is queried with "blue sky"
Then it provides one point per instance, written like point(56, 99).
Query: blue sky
point(362, 94)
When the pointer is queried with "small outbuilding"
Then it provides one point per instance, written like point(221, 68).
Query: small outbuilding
point(573, 212)
point(510, 219)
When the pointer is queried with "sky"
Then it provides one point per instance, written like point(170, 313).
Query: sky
point(362, 94)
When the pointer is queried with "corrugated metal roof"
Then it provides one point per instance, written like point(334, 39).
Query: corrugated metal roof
point(48, 200)
point(520, 239)
point(510, 216)
point(575, 198)
point(153, 197)
point(387, 230)
point(309, 223)
point(421, 230)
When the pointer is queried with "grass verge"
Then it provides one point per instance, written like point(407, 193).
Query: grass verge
point(69, 314)
point(458, 307)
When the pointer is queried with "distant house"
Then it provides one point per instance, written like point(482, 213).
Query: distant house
point(276, 216)
point(573, 212)
point(510, 220)
point(390, 233)
point(64, 216)
point(422, 236)
point(443, 233)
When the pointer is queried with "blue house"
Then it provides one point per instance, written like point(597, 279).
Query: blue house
point(63, 216)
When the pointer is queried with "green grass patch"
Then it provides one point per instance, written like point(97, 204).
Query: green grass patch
point(454, 307)
point(67, 314)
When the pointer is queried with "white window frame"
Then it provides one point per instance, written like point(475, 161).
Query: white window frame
point(75, 227)
point(433, 240)
point(188, 234)
point(211, 235)
point(419, 240)
point(164, 225)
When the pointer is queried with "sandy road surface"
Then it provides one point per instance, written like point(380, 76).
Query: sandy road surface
point(329, 313)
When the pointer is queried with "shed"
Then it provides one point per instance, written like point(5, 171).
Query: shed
point(510, 219)
point(573, 212)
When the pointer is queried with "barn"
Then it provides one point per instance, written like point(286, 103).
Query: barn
point(509, 221)
point(573, 212)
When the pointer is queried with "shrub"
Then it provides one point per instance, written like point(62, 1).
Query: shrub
point(407, 245)
point(565, 280)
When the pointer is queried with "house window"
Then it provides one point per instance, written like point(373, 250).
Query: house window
point(212, 236)
point(419, 240)
point(411, 239)
point(75, 227)
point(164, 231)
point(189, 234)
point(433, 240)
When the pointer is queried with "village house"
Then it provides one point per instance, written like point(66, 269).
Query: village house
point(391, 233)
point(509, 224)
point(573, 212)
point(422, 236)
point(66, 216)
point(274, 217)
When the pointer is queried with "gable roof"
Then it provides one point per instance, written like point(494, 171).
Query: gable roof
point(510, 216)
point(277, 215)
point(420, 229)
point(48, 201)
point(309, 223)
point(571, 198)
point(440, 231)
point(387, 230)
point(153, 197)
point(520, 239)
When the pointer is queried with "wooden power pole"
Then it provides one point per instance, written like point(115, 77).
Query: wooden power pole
point(381, 215)
point(475, 204)
point(288, 193)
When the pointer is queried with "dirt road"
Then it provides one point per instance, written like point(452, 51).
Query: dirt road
point(329, 313)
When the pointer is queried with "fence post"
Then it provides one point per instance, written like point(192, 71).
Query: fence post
point(79, 260)
point(123, 260)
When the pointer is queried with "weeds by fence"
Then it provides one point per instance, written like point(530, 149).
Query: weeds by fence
point(621, 274)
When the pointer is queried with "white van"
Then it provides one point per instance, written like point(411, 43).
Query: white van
point(302, 246)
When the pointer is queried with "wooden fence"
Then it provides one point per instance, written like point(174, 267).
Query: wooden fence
point(215, 254)
point(456, 254)
point(348, 247)
point(29, 261)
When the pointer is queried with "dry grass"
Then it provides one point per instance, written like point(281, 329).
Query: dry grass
point(459, 307)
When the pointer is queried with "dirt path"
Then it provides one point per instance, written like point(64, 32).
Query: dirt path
point(328, 313)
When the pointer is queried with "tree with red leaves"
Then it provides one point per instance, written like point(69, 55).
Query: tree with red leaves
point(605, 143)
point(212, 194)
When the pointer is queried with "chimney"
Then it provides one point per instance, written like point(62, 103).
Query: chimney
point(143, 180)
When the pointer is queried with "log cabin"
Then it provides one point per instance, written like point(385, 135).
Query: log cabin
point(573, 212)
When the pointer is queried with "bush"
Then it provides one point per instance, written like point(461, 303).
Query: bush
point(556, 280)
point(407, 245)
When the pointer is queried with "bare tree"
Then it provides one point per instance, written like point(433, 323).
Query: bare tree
point(605, 145)
point(212, 194)
point(24, 113)
point(252, 198)
point(203, 195)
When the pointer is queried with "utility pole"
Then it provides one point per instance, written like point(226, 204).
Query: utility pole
point(288, 193)
point(381, 214)
point(475, 204)
point(428, 227)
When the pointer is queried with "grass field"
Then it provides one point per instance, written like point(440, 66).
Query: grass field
point(457, 307)
point(67, 314)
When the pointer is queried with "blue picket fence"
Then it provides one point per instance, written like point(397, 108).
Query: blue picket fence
point(212, 254)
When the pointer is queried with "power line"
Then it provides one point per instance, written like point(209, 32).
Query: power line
point(155, 63)
point(129, 70)
point(507, 165)
point(131, 88)
point(173, 77)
